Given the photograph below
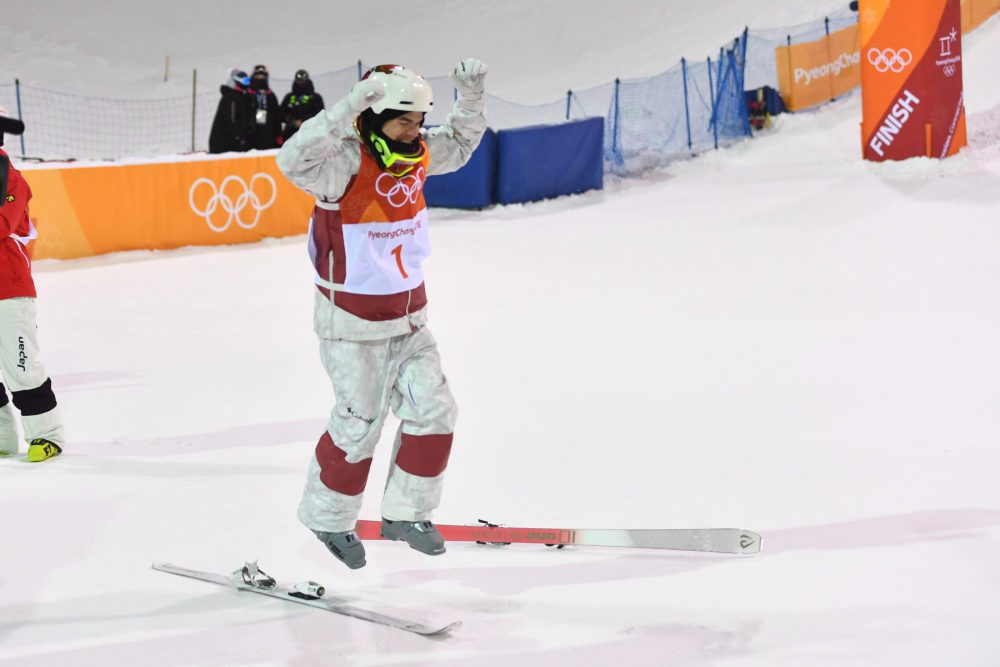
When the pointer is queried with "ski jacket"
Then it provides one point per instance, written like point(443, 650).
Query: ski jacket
point(298, 107)
point(265, 125)
point(233, 121)
point(15, 232)
point(368, 235)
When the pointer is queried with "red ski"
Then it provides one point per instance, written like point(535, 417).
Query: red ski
point(717, 540)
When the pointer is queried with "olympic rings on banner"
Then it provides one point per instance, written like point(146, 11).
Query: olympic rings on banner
point(398, 191)
point(233, 208)
point(890, 59)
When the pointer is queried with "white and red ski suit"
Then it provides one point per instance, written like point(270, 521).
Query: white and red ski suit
point(367, 238)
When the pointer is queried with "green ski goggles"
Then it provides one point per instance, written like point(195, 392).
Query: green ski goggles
point(390, 157)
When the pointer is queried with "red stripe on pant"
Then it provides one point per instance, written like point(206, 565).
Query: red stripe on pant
point(336, 472)
point(424, 455)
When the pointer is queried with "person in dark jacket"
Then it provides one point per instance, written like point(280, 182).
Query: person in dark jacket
point(234, 115)
point(266, 120)
point(301, 104)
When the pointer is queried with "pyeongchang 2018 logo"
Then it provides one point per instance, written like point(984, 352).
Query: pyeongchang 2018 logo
point(400, 191)
point(949, 59)
point(238, 201)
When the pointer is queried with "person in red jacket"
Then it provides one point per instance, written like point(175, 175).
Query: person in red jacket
point(20, 367)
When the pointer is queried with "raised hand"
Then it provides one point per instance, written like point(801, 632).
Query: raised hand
point(469, 77)
point(364, 94)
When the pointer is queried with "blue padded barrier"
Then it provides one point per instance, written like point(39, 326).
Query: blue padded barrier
point(550, 160)
point(473, 185)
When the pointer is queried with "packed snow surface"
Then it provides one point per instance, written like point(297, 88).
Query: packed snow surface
point(776, 337)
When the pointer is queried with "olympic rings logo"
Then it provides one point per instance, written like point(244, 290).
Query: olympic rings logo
point(399, 191)
point(949, 70)
point(890, 59)
point(233, 208)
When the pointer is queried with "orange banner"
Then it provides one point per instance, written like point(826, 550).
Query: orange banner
point(815, 72)
point(911, 79)
point(974, 12)
point(91, 210)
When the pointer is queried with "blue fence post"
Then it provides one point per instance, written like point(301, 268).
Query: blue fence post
point(711, 96)
point(719, 82)
point(569, 99)
point(20, 113)
point(687, 113)
point(741, 77)
point(734, 63)
point(615, 148)
point(719, 74)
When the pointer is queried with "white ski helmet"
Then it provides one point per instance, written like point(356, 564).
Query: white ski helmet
point(405, 90)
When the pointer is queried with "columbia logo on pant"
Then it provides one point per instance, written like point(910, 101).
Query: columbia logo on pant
point(367, 420)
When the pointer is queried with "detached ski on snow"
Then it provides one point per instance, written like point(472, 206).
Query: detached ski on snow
point(264, 585)
point(716, 540)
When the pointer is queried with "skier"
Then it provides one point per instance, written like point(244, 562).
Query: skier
point(365, 161)
point(20, 367)
point(232, 124)
point(301, 104)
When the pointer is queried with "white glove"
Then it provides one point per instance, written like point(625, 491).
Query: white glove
point(468, 76)
point(364, 94)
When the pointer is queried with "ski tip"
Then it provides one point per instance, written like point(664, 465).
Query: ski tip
point(451, 627)
point(749, 542)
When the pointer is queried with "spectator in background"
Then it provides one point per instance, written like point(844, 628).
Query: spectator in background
point(266, 121)
point(301, 104)
point(234, 116)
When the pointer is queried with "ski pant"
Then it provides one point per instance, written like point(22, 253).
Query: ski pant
point(368, 378)
point(24, 375)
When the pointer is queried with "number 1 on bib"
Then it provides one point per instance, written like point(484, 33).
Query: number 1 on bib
point(398, 252)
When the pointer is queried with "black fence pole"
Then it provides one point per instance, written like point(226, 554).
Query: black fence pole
point(20, 113)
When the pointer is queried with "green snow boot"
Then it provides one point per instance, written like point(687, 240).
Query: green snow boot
point(41, 449)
